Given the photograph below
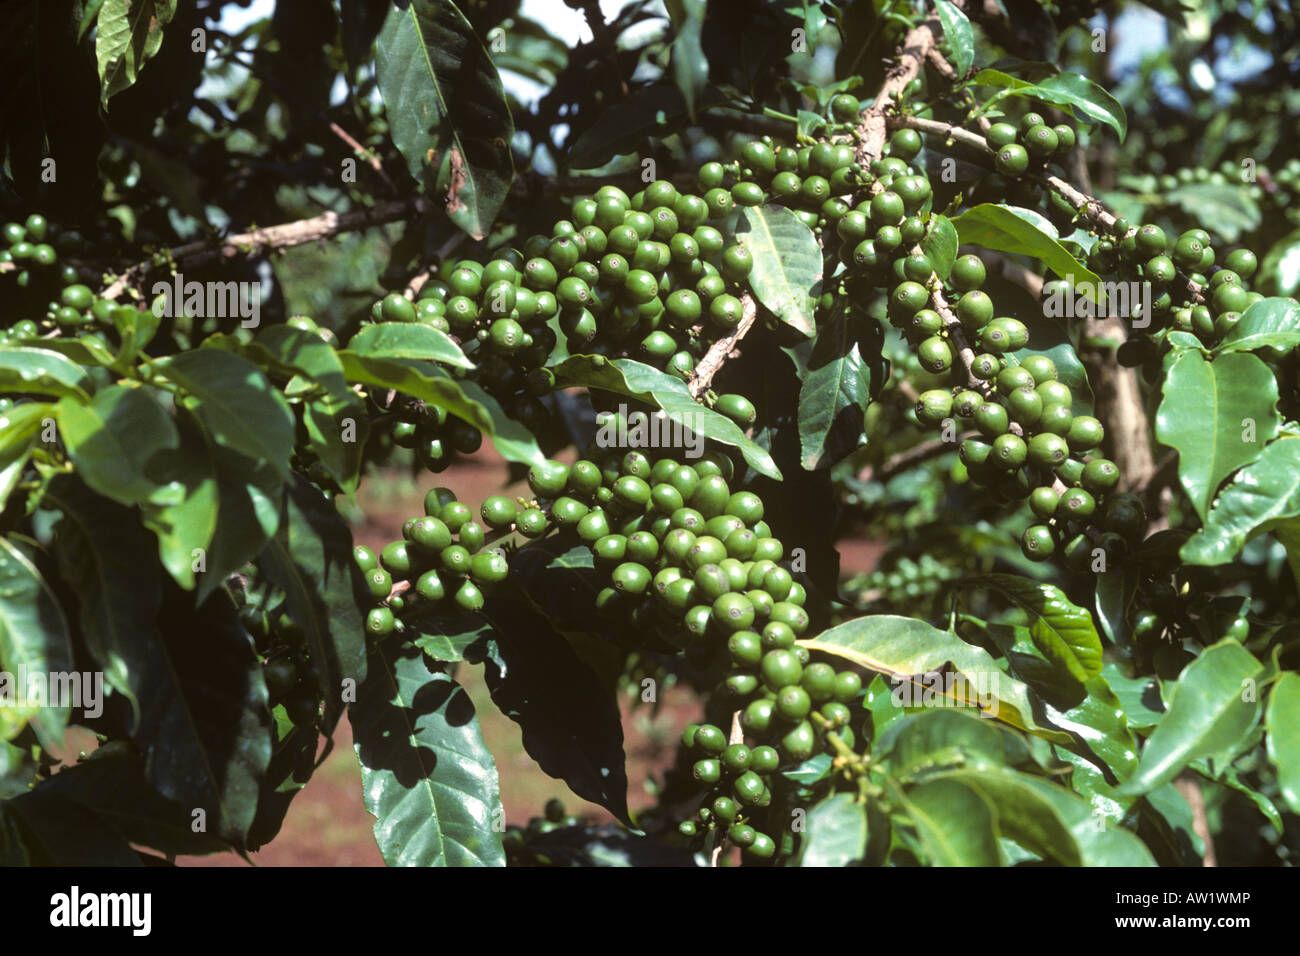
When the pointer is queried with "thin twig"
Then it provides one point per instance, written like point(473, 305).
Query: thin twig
point(721, 350)
point(272, 238)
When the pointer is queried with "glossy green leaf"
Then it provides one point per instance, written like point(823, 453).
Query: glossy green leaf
point(1282, 718)
point(834, 396)
point(906, 648)
point(1008, 229)
point(1074, 93)
point(1271, 323)
point(1114, 594)
point(418, 379)
point(130, 34)
point(957, 31)
point(107, 558)
point(1218, 416)
point(183, 514)
point(83, 351)
point(310, 560)
point(1206, 715)
point(426, 774)
point(34, 640)
point(447, 110)
point(117, 440)
point(201, 715)
point(248, 514)
point(444, 636)
point(288, 351)
point(638, 380)
point(940, 245)
point(955, 823)
point(336, 433)
point(1265, 491)
point(39, 371)
point(1102, 724)
point(1138, 696)
point(240, 409)
point(836, 832)
point(1062, 631)
point(787, 269)
point(407, 340)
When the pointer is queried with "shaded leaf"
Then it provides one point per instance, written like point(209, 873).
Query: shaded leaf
point(427, 776)
point(447, 110)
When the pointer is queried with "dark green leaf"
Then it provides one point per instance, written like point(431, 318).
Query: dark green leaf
point(690, 68)
point(570, 721)
point(130, 35)
point(834, 396)
point(57, 831)
point(310, 560)
point(239, 407)
point(1262, 494)
point(447, 110)
point(427, 776)
point(111, 783)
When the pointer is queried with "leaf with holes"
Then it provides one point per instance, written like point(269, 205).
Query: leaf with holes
point(447, 110)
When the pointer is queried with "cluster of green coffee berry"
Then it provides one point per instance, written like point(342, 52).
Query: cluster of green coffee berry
point(517, 839)
point(1147, 254)
point(648, 276)
point(1028, 145)
point(441, 556)
point(904, 583)
point(432, 433)
point(1029, 434)
point(36, 279)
